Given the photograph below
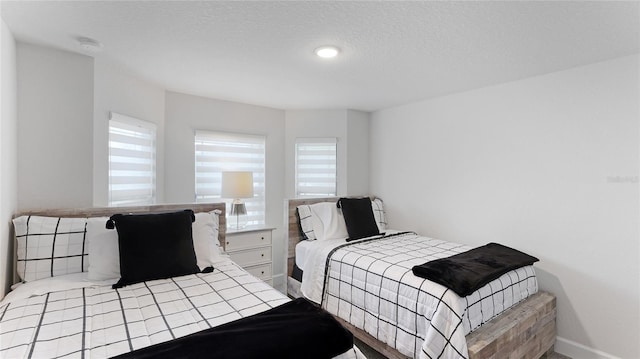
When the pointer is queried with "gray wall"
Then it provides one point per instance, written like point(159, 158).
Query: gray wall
point(55, 128)
point(8, 153)
point(548, 165)
point(357, 153)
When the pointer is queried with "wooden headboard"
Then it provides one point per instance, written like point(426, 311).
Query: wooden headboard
point(109, 211)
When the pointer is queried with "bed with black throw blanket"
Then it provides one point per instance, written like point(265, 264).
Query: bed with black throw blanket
point(282, 332)
point(469, 271)
point(180, 290)
point(364, 276)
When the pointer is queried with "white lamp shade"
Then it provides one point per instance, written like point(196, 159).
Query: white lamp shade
point(237, 184)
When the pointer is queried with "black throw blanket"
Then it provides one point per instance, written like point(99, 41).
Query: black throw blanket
point(466, 272)
point(297, 329)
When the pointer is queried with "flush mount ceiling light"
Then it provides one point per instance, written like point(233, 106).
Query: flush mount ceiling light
point(327, 52)
point(89, 45)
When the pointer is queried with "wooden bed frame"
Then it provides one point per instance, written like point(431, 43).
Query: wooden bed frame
point(109, 211)
point(527, 330)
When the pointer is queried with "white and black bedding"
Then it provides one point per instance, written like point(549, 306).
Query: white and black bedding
point(467, 272)
point(369, 283)
point(65, 306)
point(98, 321)
point(90, 320)
point(282, 332)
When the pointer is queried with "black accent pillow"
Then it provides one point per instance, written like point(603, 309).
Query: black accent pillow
point(358, 216)
point(154, 246)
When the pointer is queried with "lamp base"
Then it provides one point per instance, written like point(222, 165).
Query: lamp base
point(237, 221)
point(237, 215)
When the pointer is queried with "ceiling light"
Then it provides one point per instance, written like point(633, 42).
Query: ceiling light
point(89, 45)
point(327, 52)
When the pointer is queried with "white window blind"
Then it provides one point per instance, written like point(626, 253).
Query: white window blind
point(132, 161)
point(316, 167)
point(220, 151)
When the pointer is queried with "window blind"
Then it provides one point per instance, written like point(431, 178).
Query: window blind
point(316, 167)
point(132, 161)
point(220, 151)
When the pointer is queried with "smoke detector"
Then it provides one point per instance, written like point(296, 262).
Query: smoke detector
point(89, 44)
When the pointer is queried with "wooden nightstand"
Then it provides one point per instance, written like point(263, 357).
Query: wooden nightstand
point(251, 249)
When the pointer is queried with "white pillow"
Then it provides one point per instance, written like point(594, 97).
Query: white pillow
point(205, 238)
point(307, 222)
point(379, 215)
point(103, 250)
point(330, 223)
point(50, 246)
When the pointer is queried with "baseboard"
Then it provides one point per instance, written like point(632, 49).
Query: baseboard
point(578, 351)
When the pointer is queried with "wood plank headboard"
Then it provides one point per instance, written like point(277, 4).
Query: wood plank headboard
point(109, 211)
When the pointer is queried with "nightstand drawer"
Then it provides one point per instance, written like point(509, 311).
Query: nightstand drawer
point(248, 240)
point(251, 256)
point(251, 249)
point(261, 271)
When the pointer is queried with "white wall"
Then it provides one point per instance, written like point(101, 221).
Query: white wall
point(548, 165)
point(357, 153)
point(8, 153)
point(350, 127)
point(55, 128)
point(116, 90)
point(185, 114)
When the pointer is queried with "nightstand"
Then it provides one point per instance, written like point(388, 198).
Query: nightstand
point(251, 249)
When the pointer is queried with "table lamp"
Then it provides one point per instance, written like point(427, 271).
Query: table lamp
point(237, 185)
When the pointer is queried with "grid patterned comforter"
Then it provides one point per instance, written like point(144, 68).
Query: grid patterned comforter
point(99, 322)
point(370, 284)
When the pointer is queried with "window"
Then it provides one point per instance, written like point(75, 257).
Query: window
point(316, 167)
point(132, 161)
point(220, 151)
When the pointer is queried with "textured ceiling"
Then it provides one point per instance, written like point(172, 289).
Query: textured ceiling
point(392, 52)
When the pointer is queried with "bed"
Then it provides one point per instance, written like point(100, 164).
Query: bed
point(524, 329)
point(65, 306)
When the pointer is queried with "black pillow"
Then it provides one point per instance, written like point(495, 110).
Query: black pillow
point(154, 246)
point(358, 217)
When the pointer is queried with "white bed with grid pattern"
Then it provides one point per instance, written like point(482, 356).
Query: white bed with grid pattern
point(65, 314)
point(92, 320)
point(370, 285)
